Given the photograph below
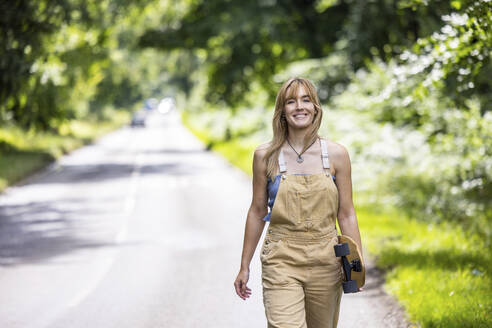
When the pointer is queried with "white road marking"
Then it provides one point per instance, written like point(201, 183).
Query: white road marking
point(104, 269)
point(131, 198)
point(128, 209)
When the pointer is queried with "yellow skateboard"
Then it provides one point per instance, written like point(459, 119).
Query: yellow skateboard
point(354, 271)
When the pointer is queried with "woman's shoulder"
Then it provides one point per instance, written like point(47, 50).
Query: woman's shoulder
point(259, 163)
point(335, 149)
point(261, 150)
point(264, 145)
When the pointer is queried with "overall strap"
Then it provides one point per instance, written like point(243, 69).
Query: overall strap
point(281, 162)
point(324, 154)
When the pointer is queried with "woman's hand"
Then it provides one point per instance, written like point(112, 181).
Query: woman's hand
point(240, 284)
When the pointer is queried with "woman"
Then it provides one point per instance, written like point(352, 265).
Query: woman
point(294, 175)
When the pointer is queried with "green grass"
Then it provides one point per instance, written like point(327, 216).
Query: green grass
point(438, 272)
point(237, 151)
point(240, 154)
point(25, 152)
point(16, 165)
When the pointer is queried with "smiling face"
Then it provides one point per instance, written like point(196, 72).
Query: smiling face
point(293, 110)
point(299, 108)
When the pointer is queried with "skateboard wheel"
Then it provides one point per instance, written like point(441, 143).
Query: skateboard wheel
point(350, 286)
point(356, 266)
point(341, 249)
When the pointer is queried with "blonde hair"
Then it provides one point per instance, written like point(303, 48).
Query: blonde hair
point(279, 123)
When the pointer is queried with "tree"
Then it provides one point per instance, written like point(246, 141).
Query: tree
point(253, 40)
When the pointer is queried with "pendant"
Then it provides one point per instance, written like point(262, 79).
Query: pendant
point(300, 159)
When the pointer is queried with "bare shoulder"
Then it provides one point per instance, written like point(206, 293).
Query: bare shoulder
point(261, 150)
point(337, 153)
point(264, 145)
point(335, 149)
point(259, 157)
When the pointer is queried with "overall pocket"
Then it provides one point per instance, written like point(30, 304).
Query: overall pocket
point(314, 204)
point(325, 253)
point(269, 248)
point(275, 272)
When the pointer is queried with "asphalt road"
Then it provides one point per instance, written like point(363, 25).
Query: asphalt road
point(142, 229)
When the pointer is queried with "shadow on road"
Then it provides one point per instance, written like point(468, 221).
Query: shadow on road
point(37, 231)
point(73, 174)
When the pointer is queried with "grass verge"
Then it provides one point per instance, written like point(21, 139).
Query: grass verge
point(25, 152)
point(237, 151)
point(438, 272)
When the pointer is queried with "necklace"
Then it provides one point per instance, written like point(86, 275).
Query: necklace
point(299, 157)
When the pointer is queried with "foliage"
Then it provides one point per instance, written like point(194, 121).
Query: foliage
point(449, 175)
point(247, 42)
point(421, 69)
point(23, 26)
point(67, 59)
point(24, 152)
point(454, 61)
point(330, 74)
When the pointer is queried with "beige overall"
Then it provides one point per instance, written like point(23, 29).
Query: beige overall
point(301, 275)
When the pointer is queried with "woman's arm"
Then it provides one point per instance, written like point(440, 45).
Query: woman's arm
point(347, 220)
point(254, 221)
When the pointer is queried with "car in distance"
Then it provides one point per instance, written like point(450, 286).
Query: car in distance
point(138, 119)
